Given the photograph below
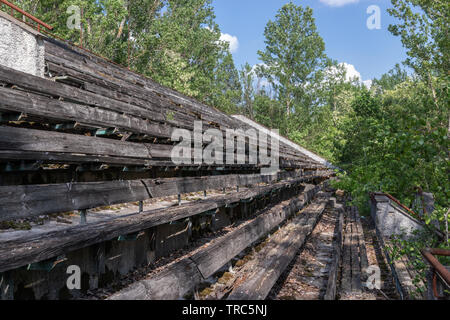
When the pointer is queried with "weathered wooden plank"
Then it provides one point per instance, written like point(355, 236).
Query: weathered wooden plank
point(172, 283)
point(70, 158)
point(121, 91)
point(362, 246)
point(93, 65)
point(32, 200)
point(331, 290)
point(276, 255)
point(55, 144)
point(20, 139)
point(29, 103)
point(346, 272)
point(71, 93)
point(32, 172)
point(217, 254)
point(355, 253)
point(35, 248)
point(109, 72)
point(196, 272)
point(153, 112)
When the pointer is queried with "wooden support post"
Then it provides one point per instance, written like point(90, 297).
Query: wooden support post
point(141, 206)
point(189, 220)
point(6, 286)
point(101, 258)
point(274, 196)
point(204, 194)
point(245, 207)
point(83, 218)
point(237, 189)
point(230, 209)
point(179, 199)
point(245, 210)
point(332, 282)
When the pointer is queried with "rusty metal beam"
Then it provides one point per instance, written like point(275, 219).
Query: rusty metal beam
point(429, 255)
point(414, 214)
point(26, 14)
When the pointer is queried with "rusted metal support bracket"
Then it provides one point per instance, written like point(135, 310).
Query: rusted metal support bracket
point(439, 270)
point(26, 14)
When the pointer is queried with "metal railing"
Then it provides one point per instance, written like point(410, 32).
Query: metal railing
point(26, 14)
point(439, 270)
point(413, 214)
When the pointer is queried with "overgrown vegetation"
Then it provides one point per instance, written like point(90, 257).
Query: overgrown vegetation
point(393, 137)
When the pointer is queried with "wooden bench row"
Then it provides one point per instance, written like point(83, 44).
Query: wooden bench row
point(354, 256)
point(56, 103)
point(26, 201)
point(180, 278)
point(34, 248)
point(273, 259)
point(56, 147)
point(102, 77)
point(333, 273)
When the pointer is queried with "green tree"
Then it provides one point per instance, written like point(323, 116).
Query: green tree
point(320, 129)
point(248, 78)
point(268, 111)
point(227, 86)
point(389, 80)
point(423, 28)
point(294, 53)
point(175, 42)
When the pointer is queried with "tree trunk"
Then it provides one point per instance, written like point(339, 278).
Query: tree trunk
point(433, 91)
point(122, 24)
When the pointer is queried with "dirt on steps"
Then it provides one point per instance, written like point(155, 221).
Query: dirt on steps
point(306, 277)
point(376, 257)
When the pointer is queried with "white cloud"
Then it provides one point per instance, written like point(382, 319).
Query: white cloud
point(225, 37)
point(232, 40)
point(367, 83)
point(352, 73)
point(338, 3)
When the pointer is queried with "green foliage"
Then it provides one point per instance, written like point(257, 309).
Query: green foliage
point(401, 246)
point(226, 92)
point(269, 112)
point(248, 78)
point(293, 56)
point(423, 28)
point(397, 139)
point(391, 79)
point(392, 138)
point(174, 42)
point(397, 142)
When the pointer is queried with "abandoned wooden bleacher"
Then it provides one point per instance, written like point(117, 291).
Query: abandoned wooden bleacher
point(92, 134)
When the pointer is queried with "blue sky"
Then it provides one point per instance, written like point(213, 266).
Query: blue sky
point(341, 23)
